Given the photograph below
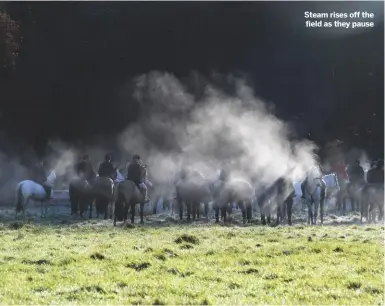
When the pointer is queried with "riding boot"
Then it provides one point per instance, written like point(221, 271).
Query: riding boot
point(146, 198)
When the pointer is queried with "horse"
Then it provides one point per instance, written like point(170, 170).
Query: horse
point(278, 196)
point(103, 189)
point(372, 198)
point(235, 190)
point(29, 190)
point(81, 196)
point(313, 196)
point(193, 190)
point(354, 193)
point(127, 195)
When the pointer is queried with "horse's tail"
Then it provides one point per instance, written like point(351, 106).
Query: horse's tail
point(19, 198)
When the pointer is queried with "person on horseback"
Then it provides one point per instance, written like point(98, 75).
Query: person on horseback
point(356, 173)
point(106, 168)
point(376, 174)
point(136, 172)
point(39, 176)
point(85, 169)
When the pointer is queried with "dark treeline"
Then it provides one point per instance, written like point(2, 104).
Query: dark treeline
point(73, 59)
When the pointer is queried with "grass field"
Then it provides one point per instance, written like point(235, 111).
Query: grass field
point(178, 264)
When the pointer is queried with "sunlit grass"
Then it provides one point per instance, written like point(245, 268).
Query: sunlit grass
point(191, 265)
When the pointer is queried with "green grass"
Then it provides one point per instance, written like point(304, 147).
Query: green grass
point(74, 264)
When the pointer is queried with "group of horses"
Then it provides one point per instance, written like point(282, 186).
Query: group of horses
point(116, 197)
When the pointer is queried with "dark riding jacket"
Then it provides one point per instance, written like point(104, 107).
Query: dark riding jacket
point(106, 169)
point(135, 172)
point(38, 174)
point(356, 173)
point(375, 176)
point(86, 168)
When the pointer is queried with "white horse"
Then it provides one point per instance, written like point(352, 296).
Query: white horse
point(29, 190)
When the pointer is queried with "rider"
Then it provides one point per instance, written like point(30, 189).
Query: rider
point(356, 173)
point(376, 174)
point(106, 169)
point(136, 172)
point(85, 168)
point(39, 176)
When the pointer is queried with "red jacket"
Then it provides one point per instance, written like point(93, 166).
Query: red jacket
point(341, 171)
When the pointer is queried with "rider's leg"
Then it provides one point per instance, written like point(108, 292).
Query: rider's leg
point(143, 189)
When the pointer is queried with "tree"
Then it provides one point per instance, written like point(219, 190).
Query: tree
point(9, 42)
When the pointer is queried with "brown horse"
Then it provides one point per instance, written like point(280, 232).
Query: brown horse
point(372, 199)
point(103, 192)
point(127, 195)
point(80, 194)
point(236, 190)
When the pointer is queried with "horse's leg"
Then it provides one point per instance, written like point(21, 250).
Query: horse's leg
point(206, 210)
point(105, 207)
point(243, 209)
point(193, 209)
point(198, 205)
point(132, 212)
point(111, 206)
point(249, 211)
point(284, 210)
point(216, 213)
point(42, 209)
point(188, 206)
point(223, 212)
point(381, 212)
point(91, 204)
point(279, 213)
point(141, 213)
point(125, 208)
point(289, 205)
point(309, 212)
point(154, 206)
point(322, 204)
point(181, 208)
point(361, 204)
point(268, 209)
point(47, 203)
point(316, 205)
point(262, 212)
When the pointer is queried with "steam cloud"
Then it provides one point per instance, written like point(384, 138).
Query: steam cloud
point(237, 130)
point(178, 128)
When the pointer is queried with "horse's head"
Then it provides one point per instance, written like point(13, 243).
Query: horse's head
point(51, 178)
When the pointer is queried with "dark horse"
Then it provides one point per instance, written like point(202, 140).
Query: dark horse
point(193, 190)
point(84, 193)
point(279, 198)
point(126, 196)
point(81, 197)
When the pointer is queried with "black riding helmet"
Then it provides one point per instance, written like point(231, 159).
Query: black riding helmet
point(108, 158)
point(136, 157)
